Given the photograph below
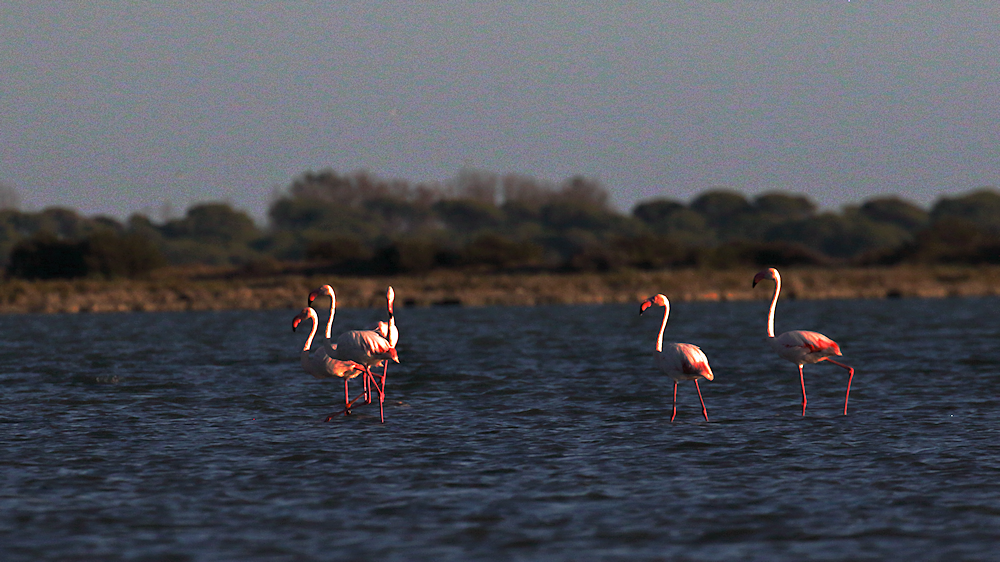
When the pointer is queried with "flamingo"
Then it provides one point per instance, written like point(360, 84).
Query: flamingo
point(366, 347)
point(800, 346)
point(320, 365)
point(329, 346)
point(681, 361)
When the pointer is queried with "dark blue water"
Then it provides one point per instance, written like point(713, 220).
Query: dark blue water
point(510, 434)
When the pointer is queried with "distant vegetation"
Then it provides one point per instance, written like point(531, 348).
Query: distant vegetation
point(358, 224)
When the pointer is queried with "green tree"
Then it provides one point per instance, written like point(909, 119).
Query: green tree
point(894, 210)
point(303, 215)
point(981, 207)
point(213, 223)
point(111, 254)
point(784, 206)
point(672, 219)
point(466, 216)
point(721, 207)
point(500, 252)
point(339, 251)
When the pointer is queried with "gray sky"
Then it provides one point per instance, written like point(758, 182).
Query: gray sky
point(118, 107)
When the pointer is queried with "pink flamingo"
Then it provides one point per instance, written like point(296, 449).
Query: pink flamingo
point(800, 346)
point(681, 361)
point(366, 347)
point(329, 346)
point(320, 365)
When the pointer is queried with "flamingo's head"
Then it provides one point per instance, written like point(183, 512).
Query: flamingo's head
point(306, 313)
point(393, 354)
point(324, 290)
point(658, 300)
point(769, 273)
point(390, 296)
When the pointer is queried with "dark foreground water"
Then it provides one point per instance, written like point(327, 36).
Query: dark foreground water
point(511, 434)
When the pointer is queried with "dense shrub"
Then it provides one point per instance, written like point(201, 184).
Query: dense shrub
point(109, 254)
point(759, 254)
point(46, 257)
point(499, 252)
point(104, 253)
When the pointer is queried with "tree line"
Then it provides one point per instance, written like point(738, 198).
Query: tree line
point(358, 224)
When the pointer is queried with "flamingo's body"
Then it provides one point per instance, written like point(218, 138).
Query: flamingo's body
point(800, 346)
point(679, 361)
point(366, 347)
point(319, 364)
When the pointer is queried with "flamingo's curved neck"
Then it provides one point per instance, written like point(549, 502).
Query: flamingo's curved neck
point(391, 335)
point(774, 301)
point(333, 310)
point(663, 326)
point(312, 334)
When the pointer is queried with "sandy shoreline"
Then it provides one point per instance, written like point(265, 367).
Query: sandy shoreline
point(172, 292)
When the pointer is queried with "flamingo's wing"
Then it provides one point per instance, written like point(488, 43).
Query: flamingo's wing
point(802, 346)
point(322, 366)
point(684, 359)
point(343, 369)
point(363, 346)
point(375, 343)
point(811, 342)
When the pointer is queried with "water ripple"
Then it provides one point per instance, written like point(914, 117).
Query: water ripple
point(511, 433)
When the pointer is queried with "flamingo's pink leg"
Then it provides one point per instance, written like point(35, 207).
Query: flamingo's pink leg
point(704, 411)
point(675, 402)
point(347, 410)
point(385, 370)
point(803, 381)
point(381, 398)
point(849, 379)
point(347, 399)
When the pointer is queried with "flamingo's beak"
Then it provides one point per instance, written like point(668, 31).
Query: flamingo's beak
point(644, 306)
point(393, 354)
point(761, 275)
point(312, 296)
point(295, 323)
